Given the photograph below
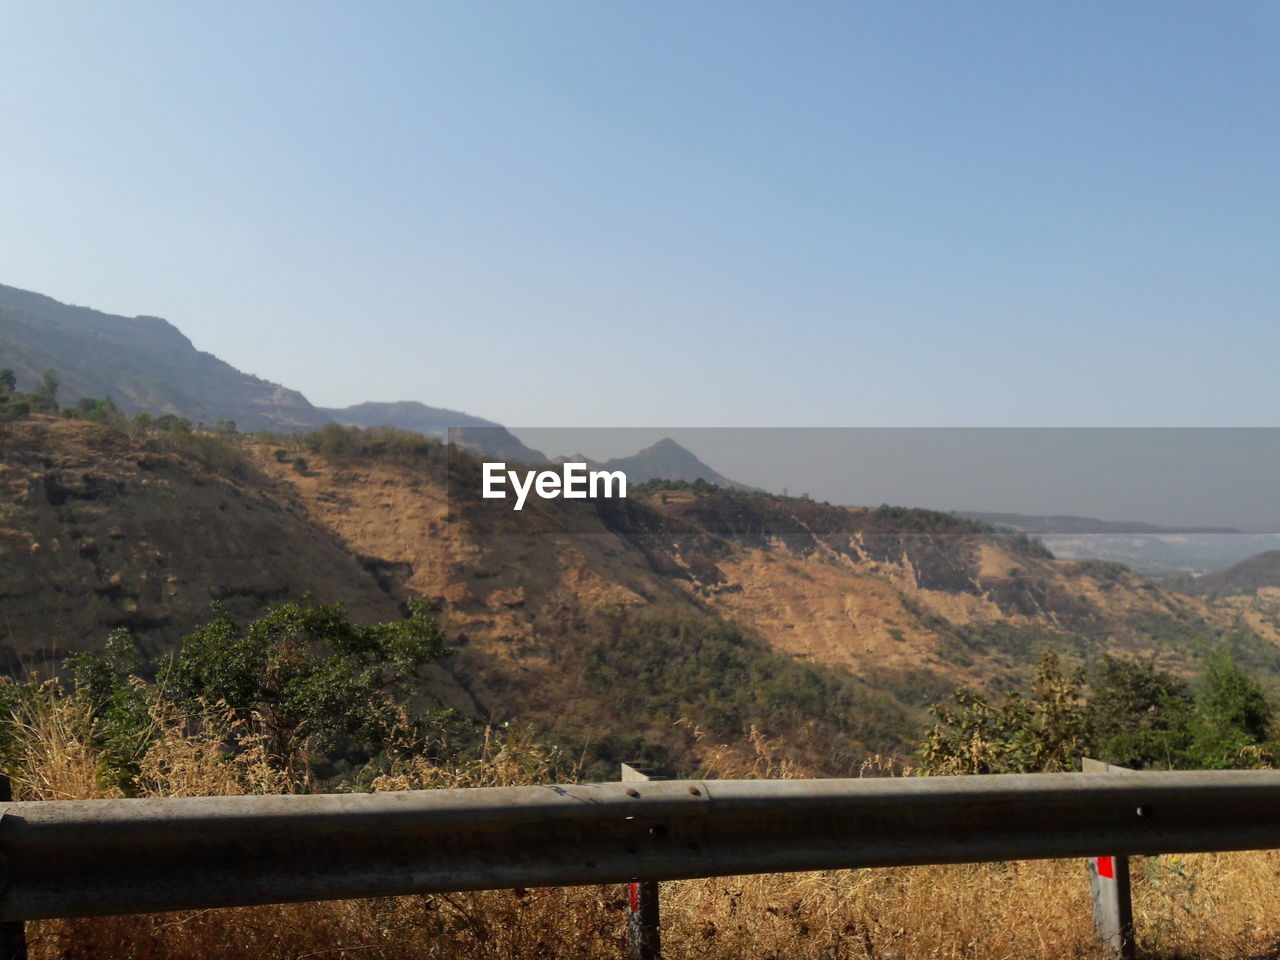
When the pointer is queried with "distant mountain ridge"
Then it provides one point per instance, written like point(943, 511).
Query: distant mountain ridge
point(1158, 551)
point(146, 364)
point(406, 414)
point(1066, 524)
point(1246, 577)
point(142, 363)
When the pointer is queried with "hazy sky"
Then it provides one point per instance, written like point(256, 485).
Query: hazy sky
point(700, 214)
point(1173, 477)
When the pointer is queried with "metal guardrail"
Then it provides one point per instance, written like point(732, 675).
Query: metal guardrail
point(94, 857)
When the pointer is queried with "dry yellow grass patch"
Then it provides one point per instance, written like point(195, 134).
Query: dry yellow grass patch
point(1211, 906)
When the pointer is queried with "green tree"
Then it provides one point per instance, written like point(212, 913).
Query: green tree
point(170, 423)
point(1025, 734)
point(1232, 723)
point(333, 440)
point(318, 685)
point(119, 703)
point(321, 690)
point(8, 382)
point(1138, 715)
point(13, 409)
point(101, 410)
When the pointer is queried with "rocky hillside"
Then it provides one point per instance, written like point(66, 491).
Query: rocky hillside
point(651, 628)
point(146, 364)
point(143, 363)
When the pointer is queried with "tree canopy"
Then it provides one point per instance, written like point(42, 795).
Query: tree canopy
point(1135, 715)
point(323, 692)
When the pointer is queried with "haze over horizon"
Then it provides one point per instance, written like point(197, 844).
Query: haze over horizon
point(751, 215)
point(1196, 477)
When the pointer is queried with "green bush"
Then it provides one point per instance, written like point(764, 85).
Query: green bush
point(119, 703)
point(660, 666)
point(338, 443)
point(1136, 716)
point(1028, 546)
point(320, 690)
point(1043, 730)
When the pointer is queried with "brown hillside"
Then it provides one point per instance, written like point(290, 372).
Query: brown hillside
point(99, 530)
point(913, 613)
point(667, 625)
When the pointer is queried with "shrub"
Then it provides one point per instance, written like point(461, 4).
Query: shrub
point(317, 684)
point(317, 689)
point(1044, 731)
point(1136, 716)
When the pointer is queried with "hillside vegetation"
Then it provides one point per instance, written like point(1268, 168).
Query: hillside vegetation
point(711, 632)
point(656, 628)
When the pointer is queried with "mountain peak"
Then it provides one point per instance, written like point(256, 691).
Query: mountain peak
point(666, 443)
point(668, 460)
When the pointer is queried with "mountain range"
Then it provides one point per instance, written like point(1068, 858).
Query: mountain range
point(1257, 573)
point(146, 364)
point(663, 626)
point(1065, 524)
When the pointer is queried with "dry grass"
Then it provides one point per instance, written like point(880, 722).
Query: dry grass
point(1193, 906)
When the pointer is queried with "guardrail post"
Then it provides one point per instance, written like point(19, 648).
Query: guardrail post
point(13, 934)
point(1109, 888)
point(644, 937)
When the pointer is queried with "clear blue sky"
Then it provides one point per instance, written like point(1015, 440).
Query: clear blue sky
point(700, 214)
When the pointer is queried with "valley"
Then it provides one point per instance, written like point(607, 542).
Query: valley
point(663, 627)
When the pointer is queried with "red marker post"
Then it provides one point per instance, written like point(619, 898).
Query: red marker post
point(643, 920)
point(1109, 888)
